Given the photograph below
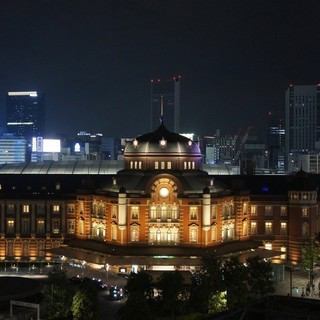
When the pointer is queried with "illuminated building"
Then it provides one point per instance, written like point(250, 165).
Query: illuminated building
point(160, 205)
point(25, 113)
point(302, 121)
point(12, 149)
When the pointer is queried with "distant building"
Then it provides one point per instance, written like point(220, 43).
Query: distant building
point(276, 144)
point(169, 91)
point(12, 149)
point(25, 114)
point(302, 113)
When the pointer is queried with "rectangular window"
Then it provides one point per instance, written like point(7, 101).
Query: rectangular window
point(253, 210)
point(55, 226)
point(169, 165)
point(41, 209)
point(283, 228)
point(134, 234)
point(253, 227)
point(283, 255)
point(245, 207)
point(163, 165)
point(25, 226)
point(114, 212)
point(114, 232)
point(268, 210)
point(268, 227)
point(305, 212)
point(26, 208)
point(193, 212)
point(214, 233)
point(156, 165)
point(71, 226)
point(268, 246)
point(193, 234)
point(56, 208)
point(10, 226)
point(70, 208)
point(283, 211)
point(40, 226)
point(153, 212)
point(10, 208)
point(135, 213)
point(214, 211)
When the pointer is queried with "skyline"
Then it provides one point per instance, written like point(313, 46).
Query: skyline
point(101, 57)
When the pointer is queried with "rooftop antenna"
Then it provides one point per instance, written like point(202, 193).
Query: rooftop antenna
point(161, 109)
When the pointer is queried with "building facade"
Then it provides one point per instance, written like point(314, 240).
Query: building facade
point(25, 114)
point(162, 204)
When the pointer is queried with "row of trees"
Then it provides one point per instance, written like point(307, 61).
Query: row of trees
point(64, 299)
point(218, 286)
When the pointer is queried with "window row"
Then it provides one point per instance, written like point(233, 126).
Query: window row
point(268, 210)
point(269, 228)
point(164, 212)
point(12, 208)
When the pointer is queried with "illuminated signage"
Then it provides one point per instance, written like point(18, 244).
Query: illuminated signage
point(23, 93)
point(39, 144)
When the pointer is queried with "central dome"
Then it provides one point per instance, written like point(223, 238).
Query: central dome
point(162, 150)
point(162, 141)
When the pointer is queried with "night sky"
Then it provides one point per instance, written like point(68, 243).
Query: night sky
point(94, 59)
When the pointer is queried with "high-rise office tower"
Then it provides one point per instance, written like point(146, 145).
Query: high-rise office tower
point(25, 113)
point(169, 92)
point(302, 118)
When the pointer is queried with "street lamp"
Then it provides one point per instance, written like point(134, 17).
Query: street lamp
point(107, 266)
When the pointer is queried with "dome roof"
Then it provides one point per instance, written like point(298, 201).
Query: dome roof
point(162, 141)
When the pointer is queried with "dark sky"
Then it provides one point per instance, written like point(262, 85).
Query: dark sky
point(94, 59)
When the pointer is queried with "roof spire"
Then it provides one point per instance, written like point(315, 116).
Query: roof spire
point(161, 109)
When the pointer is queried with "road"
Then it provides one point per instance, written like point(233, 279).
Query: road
point(108, 309)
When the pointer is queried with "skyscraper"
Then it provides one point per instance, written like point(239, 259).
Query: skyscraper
point(25, 113)
point(169, 92)
point(302, 113)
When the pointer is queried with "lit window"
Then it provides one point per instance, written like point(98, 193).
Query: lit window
point(169, 165)
point(185, 165)
point(214, 211)
point(245, 207)
point(136, 164)
point(253, 210)
point(40, 226)
point(10, 226)
point(283, 228)
point(71, 226)
point(131, 164)
point(193, 234)
point(174, 212)
point(283, 255)
point(70, 208)
point(156, 165)
point(214, 233)
point(268, 210)
point(189, 165)
point(134, 234)
point(193, 165)
point(268, 227)
point(268, 246)
point(305, 212)
point(140, 164)
point(114, 232)
point(25, 208)
point(56, 208)
point(163, 165)
point(114, 212)
point(153, 212)
point(253, 227)
point(283, 211)
point(245, 228)
point(134, 213)
point(193, 211)
point(55, 226)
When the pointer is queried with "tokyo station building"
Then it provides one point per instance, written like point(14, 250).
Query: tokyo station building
point(161, 208)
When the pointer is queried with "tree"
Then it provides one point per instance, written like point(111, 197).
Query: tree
point(83, 306)
point(58, 296)
point(139, 283)
point(259, 277)
point(235, 281)
point(171, 285)
point(310, 255)
point(136, 308)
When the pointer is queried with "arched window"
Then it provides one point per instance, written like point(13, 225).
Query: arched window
point(134, 233)
point(153, 212)
point(164, 212)
point(174, 212)
point(193, 234)
point(245, 228)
